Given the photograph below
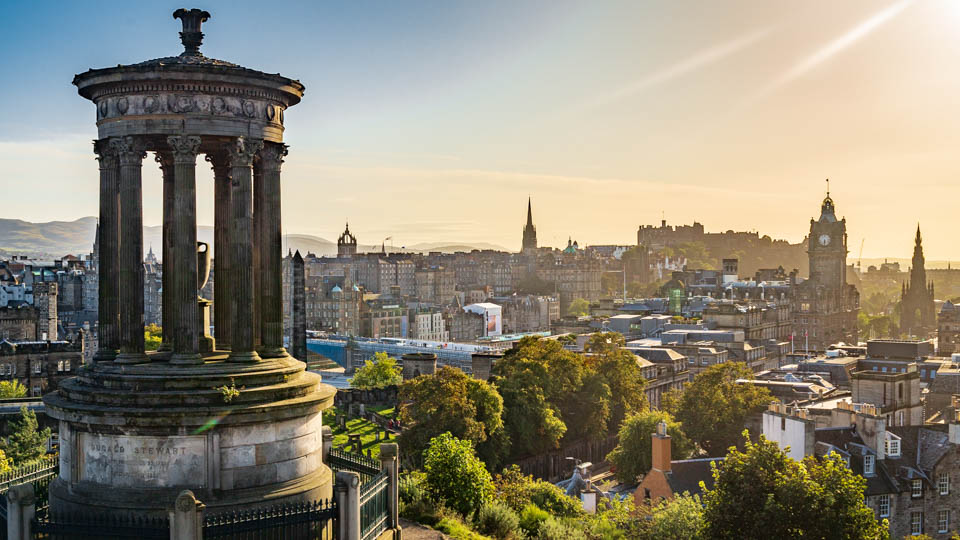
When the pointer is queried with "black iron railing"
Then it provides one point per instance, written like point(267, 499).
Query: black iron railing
point(374, 509)
point(367, 468)
point(309, 520)
point(77, 526)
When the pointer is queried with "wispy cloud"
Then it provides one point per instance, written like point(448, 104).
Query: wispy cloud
point(849, 38)
point(700, 59)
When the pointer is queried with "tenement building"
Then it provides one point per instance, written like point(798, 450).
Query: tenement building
point(235, 420)
point(825, 306)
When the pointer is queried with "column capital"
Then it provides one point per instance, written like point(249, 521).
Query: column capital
point(165, 159)
point(243, 150)
point(272, 154)
point(106, 154)
point(131, 150)
point(185, 148)
point(218, 161)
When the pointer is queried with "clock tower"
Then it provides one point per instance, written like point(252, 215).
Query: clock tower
point(827, 248)
point(825, 306)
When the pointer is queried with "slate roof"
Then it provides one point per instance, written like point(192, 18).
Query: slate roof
point(686, 475)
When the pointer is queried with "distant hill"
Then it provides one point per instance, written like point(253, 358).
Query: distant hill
point(55, 239)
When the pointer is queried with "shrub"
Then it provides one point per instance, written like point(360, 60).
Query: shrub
point(457, 529)
point(455, 476)
point(498, 520)
point(556, 529)
point(517, 489)
point(532, 518)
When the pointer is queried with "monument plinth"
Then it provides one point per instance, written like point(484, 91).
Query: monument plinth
point(235, 419)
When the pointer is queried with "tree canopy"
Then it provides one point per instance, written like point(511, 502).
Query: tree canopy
point(380, 372)
point(632, 456)
point(714, 408)
point(619, 370)
point(455, 475)
point(27, 442)
point(578, 307)
point(762, 493)
point(12, 389)
point(451, 401)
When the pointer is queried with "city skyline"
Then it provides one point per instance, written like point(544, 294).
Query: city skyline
point(610, 116)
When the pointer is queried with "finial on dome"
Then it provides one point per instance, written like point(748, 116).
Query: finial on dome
point(191, 36)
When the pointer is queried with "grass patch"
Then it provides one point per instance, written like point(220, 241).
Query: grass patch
point(365, 428)
point(383, 410)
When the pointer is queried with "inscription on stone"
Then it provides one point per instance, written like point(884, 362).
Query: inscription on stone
point(133, 461)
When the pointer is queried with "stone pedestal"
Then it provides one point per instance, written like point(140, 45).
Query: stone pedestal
point(133, 437)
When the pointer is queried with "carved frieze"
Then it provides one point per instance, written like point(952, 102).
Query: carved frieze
point(262, 110)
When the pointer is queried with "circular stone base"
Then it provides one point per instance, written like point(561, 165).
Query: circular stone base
point(132, 437)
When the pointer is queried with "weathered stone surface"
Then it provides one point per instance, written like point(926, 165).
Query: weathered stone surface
point(138, 461)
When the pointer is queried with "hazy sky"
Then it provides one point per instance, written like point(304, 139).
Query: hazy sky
point(434, 120)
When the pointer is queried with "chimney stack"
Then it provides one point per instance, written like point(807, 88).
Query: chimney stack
point(661, 449)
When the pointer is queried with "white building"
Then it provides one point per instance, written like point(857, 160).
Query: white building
point(492, 316)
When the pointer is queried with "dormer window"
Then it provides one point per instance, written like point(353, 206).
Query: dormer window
point(891, 446)
point(869, 462)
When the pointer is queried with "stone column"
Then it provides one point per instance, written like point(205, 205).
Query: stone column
point(257, 268)
point(222, 232)
point(131, 153)
point(298, 335)
point(271, 252)
point(165, 159)
point(185, 344)
point(389, 453)
point(108, 230)
point(242, 152)
point(347, 491)
point(21, 509)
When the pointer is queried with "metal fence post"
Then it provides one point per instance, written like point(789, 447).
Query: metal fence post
point(347, 491)
point(186, 518)
point(21, 508)
point(388, 463)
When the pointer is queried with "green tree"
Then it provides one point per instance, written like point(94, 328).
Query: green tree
point(455, 475)
point(762, 493)
point(27, 442)
point(152, 337)
point(12, 389)
point(517, 490)
point(680, 518)
point(578, 307)
point(620, 371)
point(380, 372)
point(450, 401)
point(714, 409)
point(632, 456)
point(549, 392)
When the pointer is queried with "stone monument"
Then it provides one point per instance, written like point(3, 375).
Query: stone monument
point(235, 420)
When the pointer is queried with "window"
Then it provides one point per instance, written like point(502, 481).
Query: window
point(892, 446)
point(868, 462)
point(943, 521)
point(943, 483)
point(883, 505)
point(916, 488)
point(916, 522)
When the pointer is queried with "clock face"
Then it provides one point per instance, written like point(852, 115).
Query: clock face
point(824, 239)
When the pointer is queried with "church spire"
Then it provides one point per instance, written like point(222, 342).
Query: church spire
point(529, 231)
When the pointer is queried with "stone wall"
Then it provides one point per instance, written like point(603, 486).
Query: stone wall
point(377, 396)
point(554, 466)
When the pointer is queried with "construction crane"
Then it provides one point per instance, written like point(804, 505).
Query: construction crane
point(860, 256)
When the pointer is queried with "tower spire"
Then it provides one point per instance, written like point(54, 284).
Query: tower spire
point(529, 213)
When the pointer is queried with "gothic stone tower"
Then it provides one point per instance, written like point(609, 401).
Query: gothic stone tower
point(346, 244)
point(529, 231)
point(825, 306)
point(917, 311)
